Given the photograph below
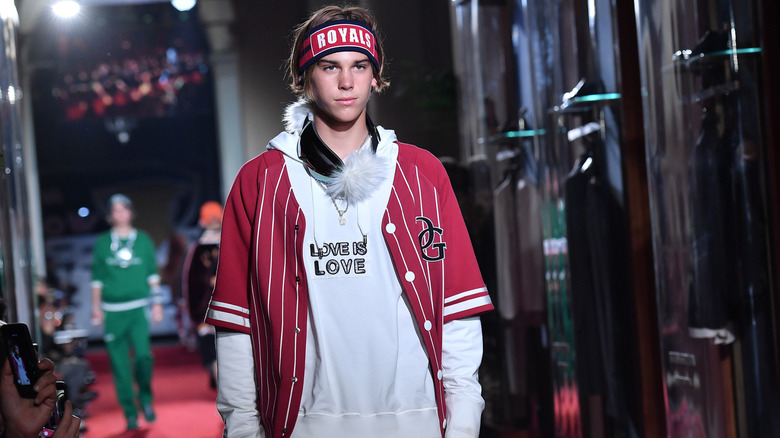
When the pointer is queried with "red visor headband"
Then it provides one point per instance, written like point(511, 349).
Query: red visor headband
point(337, 36)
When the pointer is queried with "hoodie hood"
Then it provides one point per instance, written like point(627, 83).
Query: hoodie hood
point(295, 115)
point(363, 170)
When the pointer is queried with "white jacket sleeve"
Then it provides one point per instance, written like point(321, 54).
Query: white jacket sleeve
point(235, 397)
point(461, 357)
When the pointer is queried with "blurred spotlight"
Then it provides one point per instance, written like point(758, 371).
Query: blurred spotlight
point(8, 11)
point(83, 212)
point(66, 8)
point(183, 5)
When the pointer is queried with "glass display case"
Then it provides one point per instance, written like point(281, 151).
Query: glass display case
point(701, 72)
point(501, 149)
point(586, 235)
point(539, 98)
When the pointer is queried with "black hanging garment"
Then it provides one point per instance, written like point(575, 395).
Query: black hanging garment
point(711, 208)
point(600, 292)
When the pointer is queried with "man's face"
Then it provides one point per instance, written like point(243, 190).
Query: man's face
point(340, 85)
point(120, 214)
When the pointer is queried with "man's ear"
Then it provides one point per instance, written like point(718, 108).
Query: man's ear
point(373, 82)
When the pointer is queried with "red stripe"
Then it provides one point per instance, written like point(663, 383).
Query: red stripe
point(238, 313)
point(466, 298)
point(227, 325)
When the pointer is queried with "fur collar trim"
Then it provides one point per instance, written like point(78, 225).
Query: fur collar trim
point(362, 172)
point(295, 115)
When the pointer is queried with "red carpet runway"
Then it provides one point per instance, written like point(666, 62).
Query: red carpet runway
point(184, 402)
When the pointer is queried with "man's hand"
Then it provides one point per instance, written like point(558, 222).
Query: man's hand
point(25, 417)
point(69, 424)
point(97, 317)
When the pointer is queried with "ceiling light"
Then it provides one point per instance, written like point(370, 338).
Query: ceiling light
point(183, 5)
point(66, 8)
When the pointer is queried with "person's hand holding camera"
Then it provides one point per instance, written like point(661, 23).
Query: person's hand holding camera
point(25, 417)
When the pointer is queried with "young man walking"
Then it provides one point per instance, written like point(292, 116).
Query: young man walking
point(125, 281)
point(347, 289)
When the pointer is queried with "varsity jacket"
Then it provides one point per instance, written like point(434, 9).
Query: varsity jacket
point(261, 287)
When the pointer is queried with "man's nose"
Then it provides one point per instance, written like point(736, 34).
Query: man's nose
point(346, 80)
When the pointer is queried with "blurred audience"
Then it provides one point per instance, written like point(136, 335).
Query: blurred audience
point(63, 342)
point(146, 82)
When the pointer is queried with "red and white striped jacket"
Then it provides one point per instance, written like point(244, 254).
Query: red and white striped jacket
point(261, 284)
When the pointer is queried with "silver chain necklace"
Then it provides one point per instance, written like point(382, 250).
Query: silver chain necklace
point(123, 252)
point(342, 219)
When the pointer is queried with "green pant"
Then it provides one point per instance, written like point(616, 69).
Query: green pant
point(124, 330)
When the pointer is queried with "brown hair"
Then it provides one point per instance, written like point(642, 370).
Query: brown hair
point(299, 83)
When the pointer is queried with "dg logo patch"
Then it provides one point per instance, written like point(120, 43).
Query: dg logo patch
point(431, 252)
